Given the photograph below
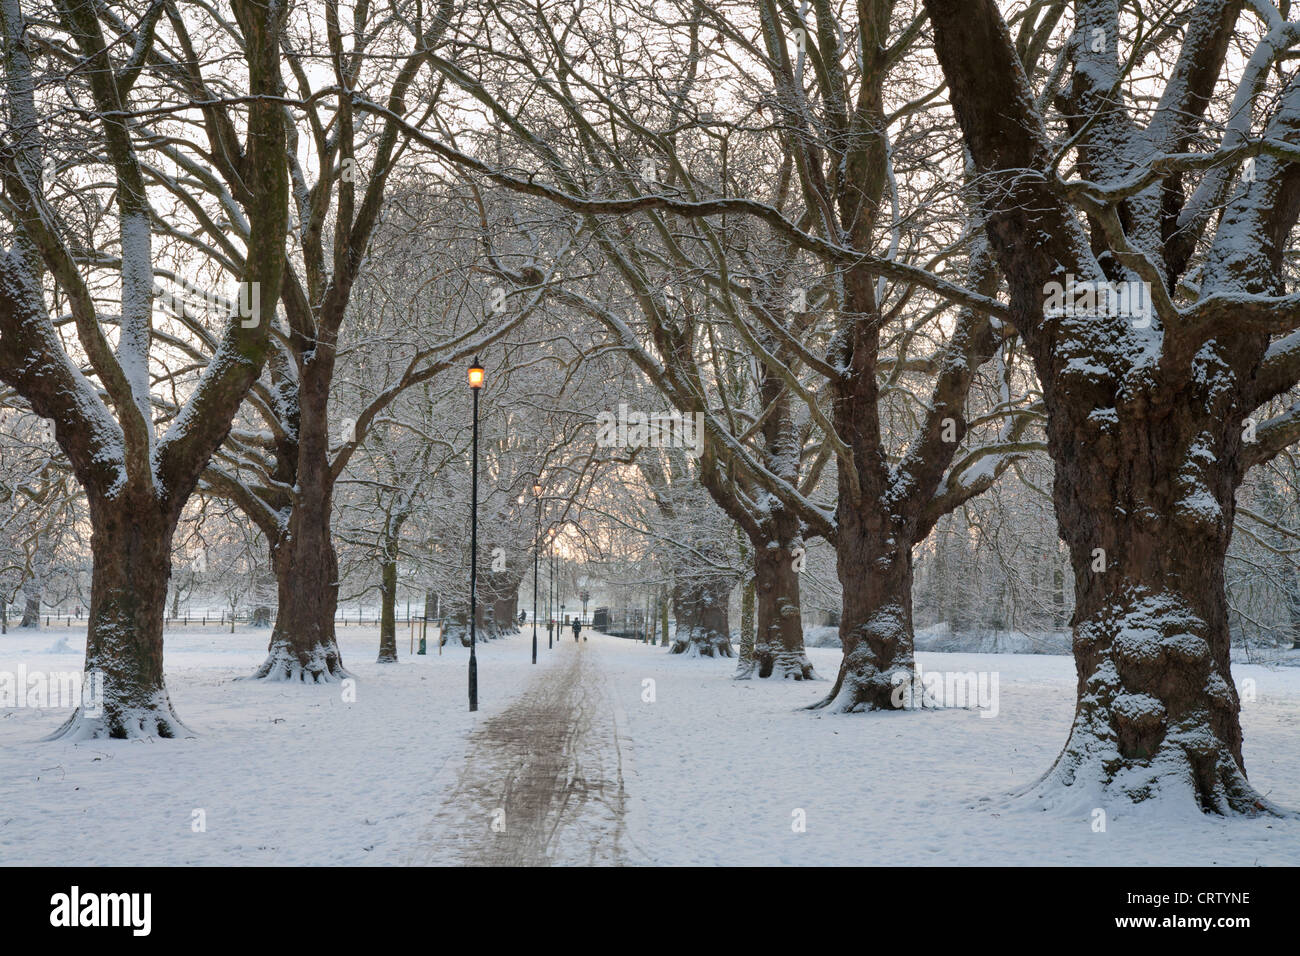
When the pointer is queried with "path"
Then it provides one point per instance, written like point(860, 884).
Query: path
point(542, 781)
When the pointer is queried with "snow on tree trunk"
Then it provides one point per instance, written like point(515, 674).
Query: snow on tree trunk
point(456, 625)
point(875, 572)
point(136, 482)
point(303, 645)
point(388, 604)
point(1146, 511)
point(778, 642)
point(31, 607)
point(500, 594)
point(131, 547)
point(701, 606)
point(1145, 413)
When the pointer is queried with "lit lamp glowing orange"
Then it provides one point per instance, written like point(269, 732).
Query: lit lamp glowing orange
point(475, 384)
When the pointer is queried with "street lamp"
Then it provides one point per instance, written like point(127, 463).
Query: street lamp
point(537, 543)
point(475, 385)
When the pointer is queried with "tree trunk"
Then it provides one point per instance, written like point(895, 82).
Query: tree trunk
point(1145, 431)
point(664, 639)
point(1292, 605)
point(748, 606)
point(303, 646)
point(131, 546)
point(748, 616)
point(1148, 519)
point(778, 643)
point(875, 572)
point(702, 626)
point(31, 609)
point(501, 595)
point(388, 604)
point(456, 625)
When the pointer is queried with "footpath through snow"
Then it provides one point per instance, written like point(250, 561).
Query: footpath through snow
point(542, 781)
point(607, 751)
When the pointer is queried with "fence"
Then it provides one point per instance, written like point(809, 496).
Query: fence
point(219, 618)
point(631, 623)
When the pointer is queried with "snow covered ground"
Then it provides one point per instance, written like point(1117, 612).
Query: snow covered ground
point(722, 766)
point(284, 774)
point(716, 771)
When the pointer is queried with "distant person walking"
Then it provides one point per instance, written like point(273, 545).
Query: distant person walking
point(577, 628)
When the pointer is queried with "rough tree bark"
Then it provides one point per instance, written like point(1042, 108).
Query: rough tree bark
point(700, 603)
point(456, 623)
point(131, 549)
point(778, 637)
point(875, 571)
point(303, 645)
point(500, 594)
point(1144, 415)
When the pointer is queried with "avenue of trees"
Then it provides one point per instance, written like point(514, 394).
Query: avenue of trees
point(965, 315)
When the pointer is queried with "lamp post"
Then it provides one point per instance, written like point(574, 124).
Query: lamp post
point(475, 385)
point(537, 543)
point(550, 603)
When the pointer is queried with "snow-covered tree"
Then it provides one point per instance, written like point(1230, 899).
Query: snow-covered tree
point(1119, 186)
point(79, 134)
